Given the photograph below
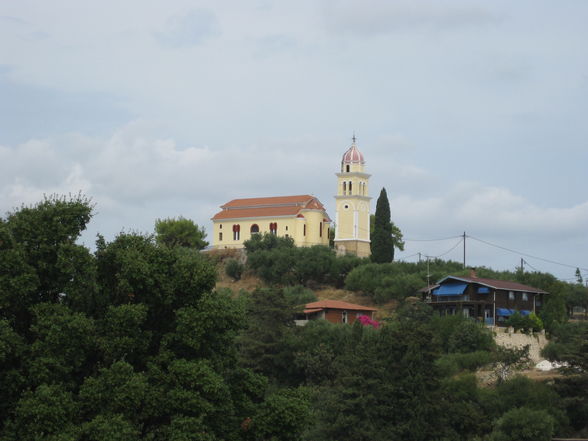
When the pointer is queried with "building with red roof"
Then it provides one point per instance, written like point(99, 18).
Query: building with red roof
point(301, 217)
point(334, 311)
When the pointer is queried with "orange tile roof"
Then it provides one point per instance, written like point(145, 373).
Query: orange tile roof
point(276, 200)
point(335, 304)
point(268, 207)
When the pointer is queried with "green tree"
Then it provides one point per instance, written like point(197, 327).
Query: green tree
point(523, 424)
point(385, 236)
point(48, 413)
point(283, 416)
point(579, 279)
point(470, 336)
point(180, 232)
point(570, 345)
point(264, 342)
point(382, 245)
point(43, 231)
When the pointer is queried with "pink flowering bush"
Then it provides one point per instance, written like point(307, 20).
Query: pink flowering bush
point(366, 321)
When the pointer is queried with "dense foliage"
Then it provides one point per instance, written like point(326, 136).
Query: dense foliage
point(131, 342)
point(180, 232)
point(278, 262)
point(126, 343)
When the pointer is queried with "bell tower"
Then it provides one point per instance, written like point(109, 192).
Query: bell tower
point(352, 219)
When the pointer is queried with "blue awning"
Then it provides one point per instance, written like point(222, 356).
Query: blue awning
point(450, 289)
point(505, 312)
point(483, 290)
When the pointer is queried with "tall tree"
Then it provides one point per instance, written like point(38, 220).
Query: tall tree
point(579, 276)
point(385, 236)
point(180, 232)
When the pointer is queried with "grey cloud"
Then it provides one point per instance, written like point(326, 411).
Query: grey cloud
point(189, 29)
point(372, 17)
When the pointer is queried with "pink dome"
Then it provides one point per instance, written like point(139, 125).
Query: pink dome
point(353, 155)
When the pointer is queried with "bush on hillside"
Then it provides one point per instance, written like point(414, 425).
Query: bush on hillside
point(234, 269)
point(470, 336)
point(267, 241)
point(383, 281)
point(525, 324)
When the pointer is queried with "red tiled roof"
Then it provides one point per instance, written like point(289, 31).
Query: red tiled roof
point(334, 304)
point(499, 284)
point(268, 207)
point(275, 200)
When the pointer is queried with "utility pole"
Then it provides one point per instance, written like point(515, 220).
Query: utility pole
point(428, 277)
point(464, 249)
point(522, 265)
point(419, 257)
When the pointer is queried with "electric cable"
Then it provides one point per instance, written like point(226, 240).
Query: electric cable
point(525, 254)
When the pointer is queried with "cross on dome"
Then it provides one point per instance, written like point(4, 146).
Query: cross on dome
point(353, 155)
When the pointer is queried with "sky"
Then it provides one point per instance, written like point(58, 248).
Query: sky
point(471, 114)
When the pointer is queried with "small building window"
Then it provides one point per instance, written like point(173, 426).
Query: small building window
point(220, 227)
point(344, 318)
point(286, 227)
point(350, 192)
point(321, 229)
point(511, 295)
point(236, 232)
point(254, 229)
point(347, 168)
point(220, 236)
point(525, 297)
point(304, 230)
point(273, 227)
point(344, 187)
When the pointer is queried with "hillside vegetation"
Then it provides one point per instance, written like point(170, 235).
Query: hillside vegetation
point(133, 342)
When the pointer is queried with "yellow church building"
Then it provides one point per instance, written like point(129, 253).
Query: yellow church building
point(303, 217)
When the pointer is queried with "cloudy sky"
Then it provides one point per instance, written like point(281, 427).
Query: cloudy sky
point(472, 114)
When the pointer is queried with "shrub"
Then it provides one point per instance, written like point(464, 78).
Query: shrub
point(267, 241)
point(525, 324)
point(299, 295)
point(451, 364)
point(234, 269)
point(383, 282)
point(523, 424)
point(470, 336)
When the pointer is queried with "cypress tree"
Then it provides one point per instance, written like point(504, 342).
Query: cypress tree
point(382, 244)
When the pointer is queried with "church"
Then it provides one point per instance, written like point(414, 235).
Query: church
point(303, 217)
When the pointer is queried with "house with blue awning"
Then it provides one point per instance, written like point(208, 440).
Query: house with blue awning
point(489, 300)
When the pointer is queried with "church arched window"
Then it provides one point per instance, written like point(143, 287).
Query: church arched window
point(350, 192)
point(254, 229)
point(236, 232)
point(344, 187)
point(347, 168)
point(273, 226)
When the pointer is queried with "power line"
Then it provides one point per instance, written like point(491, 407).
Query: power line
point(448, 251)
point(527, 255)
point(431, 240)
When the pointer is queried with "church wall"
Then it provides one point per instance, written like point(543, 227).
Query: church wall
point(287, 226)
